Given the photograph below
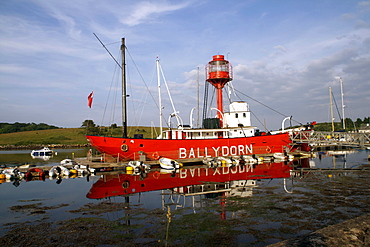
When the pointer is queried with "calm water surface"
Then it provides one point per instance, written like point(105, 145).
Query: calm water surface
point(257, 205)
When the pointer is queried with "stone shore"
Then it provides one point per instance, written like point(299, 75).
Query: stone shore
point(354, 232)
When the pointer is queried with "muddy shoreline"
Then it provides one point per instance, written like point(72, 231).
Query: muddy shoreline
point(95, 231)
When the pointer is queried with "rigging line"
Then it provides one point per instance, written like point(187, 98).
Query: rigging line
point(114, 100)
point(257, 118)
point(113, 103)
point(336, 106)
point(228, 93)
point(142, 78)
point(213, 96)
point(145, 96)
point(150, 92)
point(168, 92)
point(108, 51)
point(265, 105)
point(128, 74)
point(237, 95)
point(118, 42)
point(262, 104)
point(110, 90)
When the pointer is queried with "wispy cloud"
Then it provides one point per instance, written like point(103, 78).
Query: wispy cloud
point(149, 11)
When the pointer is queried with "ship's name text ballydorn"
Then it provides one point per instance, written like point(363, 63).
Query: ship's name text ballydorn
point(188, 153)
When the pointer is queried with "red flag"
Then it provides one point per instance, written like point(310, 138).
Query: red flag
point(90, 99)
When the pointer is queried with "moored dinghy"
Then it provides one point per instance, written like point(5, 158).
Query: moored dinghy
point(169, 164)
point(221, 161)
point(12, 173)
point(138, 165)
point(35, 174)
point(81, 169)
point(68, 162)
point(58, 171)
point(283, 156)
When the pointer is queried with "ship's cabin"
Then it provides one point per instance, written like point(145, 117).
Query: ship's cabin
point(236, 123)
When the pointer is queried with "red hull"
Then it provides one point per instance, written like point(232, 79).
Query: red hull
point(125, 184)
point(129, 148)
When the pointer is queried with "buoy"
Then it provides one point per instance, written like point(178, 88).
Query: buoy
point(73, 171)
point(156, 174)
point(155, 156)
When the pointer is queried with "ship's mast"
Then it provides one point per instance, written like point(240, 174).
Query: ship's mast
point(219, 72)
point(124, 95)
point(341, 90)
point(159, 99)
point(331, 109)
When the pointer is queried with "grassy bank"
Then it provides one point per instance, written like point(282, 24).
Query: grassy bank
point(68, 136)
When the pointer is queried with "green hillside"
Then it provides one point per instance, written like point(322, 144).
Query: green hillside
point(68, 136)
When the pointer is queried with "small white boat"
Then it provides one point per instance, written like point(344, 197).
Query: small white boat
point(12, 173)
point(283, 156)
point(169, 164)
point(228, 161)
point(44, 153)
point(212, 161)
point(250, 159)
point(68, 162)
point(139, 165)
point(81, 169)
point(279, 156)
point(221, 161)
point(58, 171)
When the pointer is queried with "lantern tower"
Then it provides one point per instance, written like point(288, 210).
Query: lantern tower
point(219, 72)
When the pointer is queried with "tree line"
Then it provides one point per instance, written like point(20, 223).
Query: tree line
point(349, 124)
point(20, 127)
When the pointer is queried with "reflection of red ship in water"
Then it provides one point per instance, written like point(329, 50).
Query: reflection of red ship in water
point(189, 181)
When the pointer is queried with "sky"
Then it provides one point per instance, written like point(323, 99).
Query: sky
point(285, 54)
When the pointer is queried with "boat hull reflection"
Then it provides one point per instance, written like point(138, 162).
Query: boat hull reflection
point(125, 184)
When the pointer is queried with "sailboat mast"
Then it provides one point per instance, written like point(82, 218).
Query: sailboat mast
point(198, 98)
point(341, 90)
point(124, 95)
point(331, 109)
point(159, 99)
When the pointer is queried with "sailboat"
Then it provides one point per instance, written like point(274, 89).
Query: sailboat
point(227, 134)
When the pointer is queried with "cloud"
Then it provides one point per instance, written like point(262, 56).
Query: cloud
point(148, 11)
point(362, 24)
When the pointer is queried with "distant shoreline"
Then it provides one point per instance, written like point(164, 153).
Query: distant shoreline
point(39, 146)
